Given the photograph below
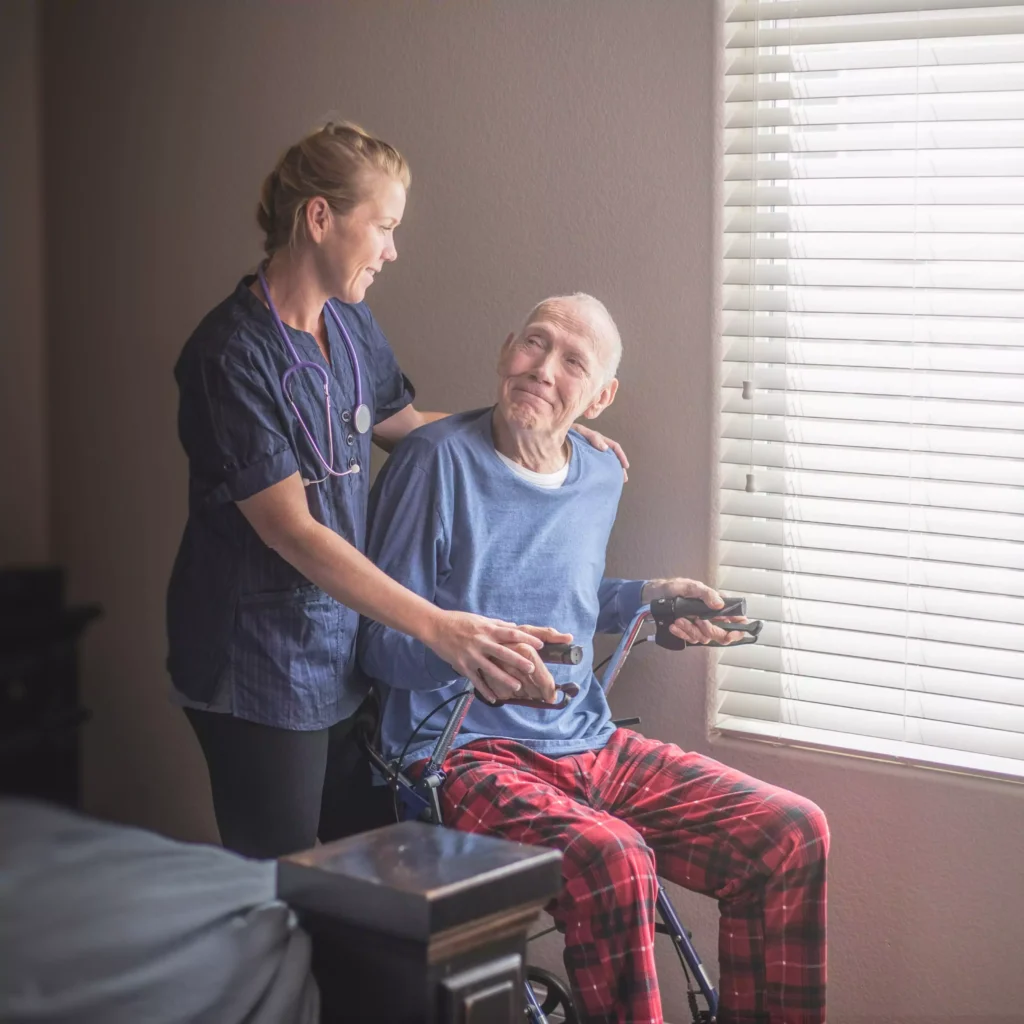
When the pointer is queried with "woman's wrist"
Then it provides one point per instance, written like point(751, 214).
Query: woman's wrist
point(430, 626)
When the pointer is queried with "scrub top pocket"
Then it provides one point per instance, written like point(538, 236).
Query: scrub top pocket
point(300, 636)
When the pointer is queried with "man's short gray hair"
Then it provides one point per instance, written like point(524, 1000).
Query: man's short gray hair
point(596, 313)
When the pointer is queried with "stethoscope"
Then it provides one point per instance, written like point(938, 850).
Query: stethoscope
point(360, 415)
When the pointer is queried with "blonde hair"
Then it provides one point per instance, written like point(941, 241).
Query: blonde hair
point(332, 162)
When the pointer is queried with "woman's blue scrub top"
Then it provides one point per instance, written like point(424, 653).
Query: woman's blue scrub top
point(248, 633)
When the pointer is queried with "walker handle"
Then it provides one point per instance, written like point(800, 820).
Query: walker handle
point(552, 654)
point(667, 609)
point(561, 654)
point(673, 608)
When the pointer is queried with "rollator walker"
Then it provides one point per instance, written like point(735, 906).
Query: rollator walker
point(419, 798)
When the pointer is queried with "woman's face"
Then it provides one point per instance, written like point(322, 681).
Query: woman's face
point(358, 244)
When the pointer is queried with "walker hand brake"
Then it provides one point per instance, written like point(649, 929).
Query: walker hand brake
point(567, 690)
point(667, 609)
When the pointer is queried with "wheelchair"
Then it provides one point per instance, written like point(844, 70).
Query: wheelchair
point(418, 798)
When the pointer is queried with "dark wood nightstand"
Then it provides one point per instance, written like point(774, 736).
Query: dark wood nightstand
point(417, 924)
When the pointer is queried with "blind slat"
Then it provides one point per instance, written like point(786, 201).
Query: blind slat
point(995, 219)
point(868, 247)
point(855, 138)
point(749, 429)
point(973, 696)
point(899, 623)
point(872, 515)
point(895, 597)
point(846, 669)
point(874, 461)
point(910, 53)
point(952, 275)
point(923, 493)
point(897, 82)
point(843, 565)
point(881, 700)
point(928, 329)
point(865, 30)
point(994, 106)
point(990, 690)
point(780, 10)
point(962, 165)
point(1002, 191)
point(853, 381)
point(787, 639)
point(921, 411)
point(875, 355)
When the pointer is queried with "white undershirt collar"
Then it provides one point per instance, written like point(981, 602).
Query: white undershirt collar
point(549, 480)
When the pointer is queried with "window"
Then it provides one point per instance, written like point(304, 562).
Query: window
point(872, 442)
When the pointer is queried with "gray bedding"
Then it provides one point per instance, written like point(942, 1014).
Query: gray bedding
point(108, 924)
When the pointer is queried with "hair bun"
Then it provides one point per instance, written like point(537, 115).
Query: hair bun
point(330, 162)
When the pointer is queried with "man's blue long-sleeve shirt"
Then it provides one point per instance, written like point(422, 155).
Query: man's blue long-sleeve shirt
point(453, 523)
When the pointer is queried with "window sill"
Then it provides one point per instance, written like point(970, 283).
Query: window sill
point(873, 749)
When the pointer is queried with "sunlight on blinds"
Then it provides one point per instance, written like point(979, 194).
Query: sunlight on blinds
point(873, 311)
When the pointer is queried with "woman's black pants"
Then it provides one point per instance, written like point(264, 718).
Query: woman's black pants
point(276, 791)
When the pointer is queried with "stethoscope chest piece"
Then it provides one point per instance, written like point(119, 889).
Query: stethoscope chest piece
point(360, 415)
point(361, 419)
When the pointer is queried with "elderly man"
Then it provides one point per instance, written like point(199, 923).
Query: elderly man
point(503, 512)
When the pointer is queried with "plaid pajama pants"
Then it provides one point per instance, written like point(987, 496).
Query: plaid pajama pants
point(639, 808)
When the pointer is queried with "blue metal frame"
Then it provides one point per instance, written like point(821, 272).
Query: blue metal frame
point(419, 799)
point(533, 1010)
point(687, 955)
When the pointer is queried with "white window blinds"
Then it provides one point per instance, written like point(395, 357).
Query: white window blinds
point(872, 447)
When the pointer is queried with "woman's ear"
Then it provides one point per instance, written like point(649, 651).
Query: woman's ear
point(318, 218)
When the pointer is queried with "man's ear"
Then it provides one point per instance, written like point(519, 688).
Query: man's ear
point(603, 399)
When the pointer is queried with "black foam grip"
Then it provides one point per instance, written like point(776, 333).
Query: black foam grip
point(672, 608)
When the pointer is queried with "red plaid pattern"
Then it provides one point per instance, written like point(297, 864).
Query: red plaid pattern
point(639, 807)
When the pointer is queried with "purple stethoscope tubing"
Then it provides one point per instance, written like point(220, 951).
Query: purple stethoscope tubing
point(361, 416)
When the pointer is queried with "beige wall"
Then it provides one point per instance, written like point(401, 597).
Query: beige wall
point(554, 147)
point(24, 519)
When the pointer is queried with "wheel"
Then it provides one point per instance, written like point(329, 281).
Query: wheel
point(552, 994)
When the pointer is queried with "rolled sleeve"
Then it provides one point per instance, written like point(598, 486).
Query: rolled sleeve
point(231, 430)
point(438, 669)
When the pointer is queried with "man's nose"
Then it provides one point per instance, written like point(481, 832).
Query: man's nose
point(544, 368)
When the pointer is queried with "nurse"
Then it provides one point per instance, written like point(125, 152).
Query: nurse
point(283, 386)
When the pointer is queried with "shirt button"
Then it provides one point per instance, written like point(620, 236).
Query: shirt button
point(346, 416)
point(349, 438)
point(352, 463)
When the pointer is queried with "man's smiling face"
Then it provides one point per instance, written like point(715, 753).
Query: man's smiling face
point(554, 370)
